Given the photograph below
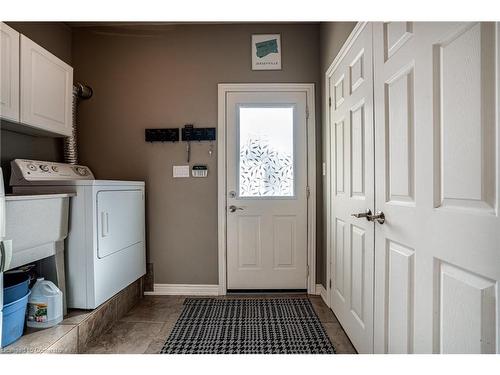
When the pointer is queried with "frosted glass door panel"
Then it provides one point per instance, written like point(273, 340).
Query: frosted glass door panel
point(266, 152)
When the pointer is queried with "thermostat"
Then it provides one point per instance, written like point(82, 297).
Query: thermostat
point(199, 171)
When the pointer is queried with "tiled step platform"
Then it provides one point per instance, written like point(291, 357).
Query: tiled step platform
point(80, 327)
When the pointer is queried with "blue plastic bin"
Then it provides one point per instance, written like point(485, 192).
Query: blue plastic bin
point(15, 286)
point(14, 315)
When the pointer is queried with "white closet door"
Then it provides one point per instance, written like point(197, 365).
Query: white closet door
point(437, 162)
point(352, 191)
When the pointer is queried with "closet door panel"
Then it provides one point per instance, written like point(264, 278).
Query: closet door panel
point(437, 256)
point(352, 190)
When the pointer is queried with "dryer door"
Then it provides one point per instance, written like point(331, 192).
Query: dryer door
point(120, 220)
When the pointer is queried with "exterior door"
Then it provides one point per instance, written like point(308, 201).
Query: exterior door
point(352, 191)
point(437, 163)
point(266, 143)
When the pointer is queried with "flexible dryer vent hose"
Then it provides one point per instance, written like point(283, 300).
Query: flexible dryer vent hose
point(80, 91)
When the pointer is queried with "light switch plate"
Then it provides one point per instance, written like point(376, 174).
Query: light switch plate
point(180, 171)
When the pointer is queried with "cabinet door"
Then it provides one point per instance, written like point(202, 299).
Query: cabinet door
point(9, 73)
point(46, 86)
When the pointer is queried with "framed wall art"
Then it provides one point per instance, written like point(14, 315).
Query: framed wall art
point(266, 52)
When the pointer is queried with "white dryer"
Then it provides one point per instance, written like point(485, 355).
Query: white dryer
point(105, 248)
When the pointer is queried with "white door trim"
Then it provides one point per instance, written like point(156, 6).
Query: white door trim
point(328, 162)
point(223, 90)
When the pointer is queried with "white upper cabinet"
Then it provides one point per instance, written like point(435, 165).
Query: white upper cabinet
point(35, 87)
point(9, 73)
point(46, 86)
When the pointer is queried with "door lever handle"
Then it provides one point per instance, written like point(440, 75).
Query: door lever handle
point(234, 208)
point(366, 214)
point(379, 217)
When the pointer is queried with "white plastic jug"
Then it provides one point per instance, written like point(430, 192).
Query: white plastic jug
point(45, 305)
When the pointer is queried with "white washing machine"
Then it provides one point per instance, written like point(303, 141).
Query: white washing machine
point(105, 248)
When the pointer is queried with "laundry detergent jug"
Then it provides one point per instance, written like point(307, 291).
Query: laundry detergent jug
point(45, 305)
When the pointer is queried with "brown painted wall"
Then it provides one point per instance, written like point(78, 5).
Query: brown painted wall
point(167, 76)
point(56, 38)
point(144, 78)
point(332, 37)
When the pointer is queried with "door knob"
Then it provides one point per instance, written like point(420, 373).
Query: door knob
point(379, 217)
point(366, 214)
point(234, 208)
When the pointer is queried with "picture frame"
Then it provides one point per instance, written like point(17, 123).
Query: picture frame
point(266, 52)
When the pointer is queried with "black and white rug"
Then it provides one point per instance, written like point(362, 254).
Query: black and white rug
point(248, 326)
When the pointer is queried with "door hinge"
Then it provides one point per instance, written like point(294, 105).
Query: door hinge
point(330, 101)
point(307, 113)
point(308, 191)
point(330, 283)
point(308, 270)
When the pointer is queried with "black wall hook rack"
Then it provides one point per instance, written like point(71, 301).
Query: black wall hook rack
point(192, 134)
point(162, 135)
point(189, 134)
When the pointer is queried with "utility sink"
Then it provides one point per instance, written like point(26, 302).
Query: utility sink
point(37, 226)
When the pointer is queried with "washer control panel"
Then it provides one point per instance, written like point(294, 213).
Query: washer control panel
point(24, 170)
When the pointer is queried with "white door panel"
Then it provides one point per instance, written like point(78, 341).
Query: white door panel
point(119, 225)
point(395, 136)
point(46, 89)
point(266, 184)
point(351, 132)
point(9, 73)
point(436, 125)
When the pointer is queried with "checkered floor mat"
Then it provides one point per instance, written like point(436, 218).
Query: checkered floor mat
point(248, 326)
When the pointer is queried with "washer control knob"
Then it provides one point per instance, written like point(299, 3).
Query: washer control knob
point(55, 168)
point(81, 171)
point(31, 167)
point(44, 167)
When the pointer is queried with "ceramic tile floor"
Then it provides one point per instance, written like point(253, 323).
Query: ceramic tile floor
point(145, 328)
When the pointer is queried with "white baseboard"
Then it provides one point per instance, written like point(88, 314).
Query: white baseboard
point(321, 291)
point(183, 290)
point(202, 290)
